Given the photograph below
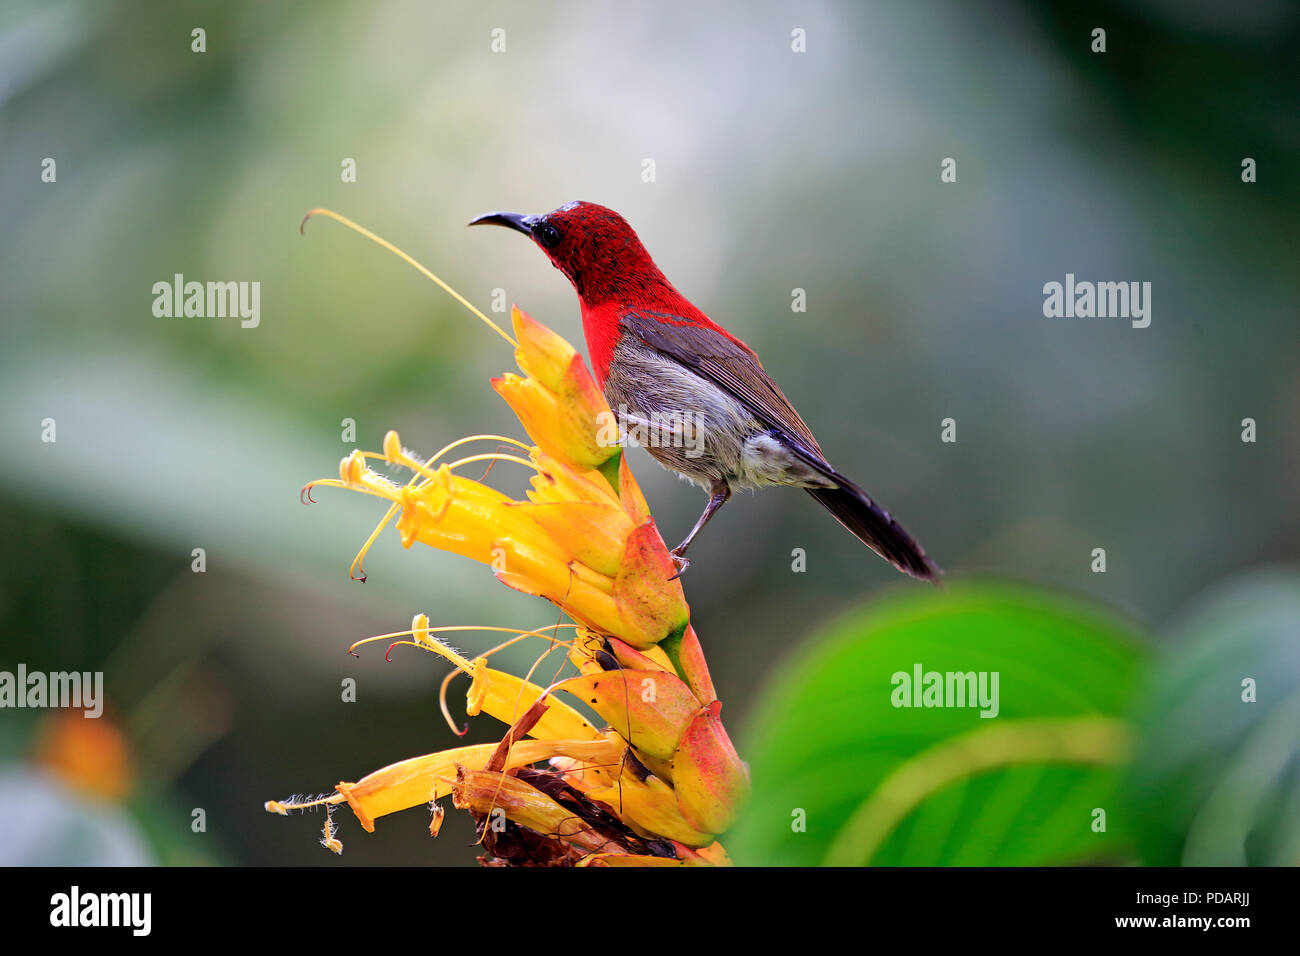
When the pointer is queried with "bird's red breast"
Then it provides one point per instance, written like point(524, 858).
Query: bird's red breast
point(601, 327)
point(603, 324)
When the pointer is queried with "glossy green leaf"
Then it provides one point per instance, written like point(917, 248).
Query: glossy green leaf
point(844, 776)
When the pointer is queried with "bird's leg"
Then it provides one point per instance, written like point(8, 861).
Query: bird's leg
point(720, 491)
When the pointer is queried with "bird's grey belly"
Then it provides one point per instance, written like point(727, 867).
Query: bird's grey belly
point(695, 428)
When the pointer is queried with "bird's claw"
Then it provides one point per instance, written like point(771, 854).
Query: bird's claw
point(681, 562)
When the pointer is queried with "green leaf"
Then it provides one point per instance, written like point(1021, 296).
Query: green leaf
point(906, 785)
point(609, 468)
point(1217, 776)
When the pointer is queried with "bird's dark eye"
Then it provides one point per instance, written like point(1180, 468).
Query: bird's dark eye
point(547, 235)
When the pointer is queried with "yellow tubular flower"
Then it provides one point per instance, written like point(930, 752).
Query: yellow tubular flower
point(419, 780)
point(558, 402)
point(657, 779)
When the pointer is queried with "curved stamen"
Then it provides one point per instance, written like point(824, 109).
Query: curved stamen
point(495, 457)
point(401, 456)
point(389, 652)
point(446, 628)
point(358, 561)
point(446, 711)
point(331, 214)
point(360, 489)
point(451, 675)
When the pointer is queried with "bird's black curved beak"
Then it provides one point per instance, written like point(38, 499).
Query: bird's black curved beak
point(511, 220)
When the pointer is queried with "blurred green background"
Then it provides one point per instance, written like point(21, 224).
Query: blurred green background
point(773, 171)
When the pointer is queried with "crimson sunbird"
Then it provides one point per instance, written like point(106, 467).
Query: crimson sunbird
point(659, 359)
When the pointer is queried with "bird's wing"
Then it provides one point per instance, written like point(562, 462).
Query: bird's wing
point(736, 369)
point(731, 366)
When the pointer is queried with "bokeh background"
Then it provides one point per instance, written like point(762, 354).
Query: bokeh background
point(774, 170)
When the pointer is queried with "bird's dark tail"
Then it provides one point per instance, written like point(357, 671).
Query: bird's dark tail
point(873, 526)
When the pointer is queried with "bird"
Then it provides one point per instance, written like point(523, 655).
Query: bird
point(658, 359)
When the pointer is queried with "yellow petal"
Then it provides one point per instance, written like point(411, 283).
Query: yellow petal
point(566, 430)
point(650, 709)
point(650, 808)
point(507, 697)
point(693, 669)
point(633, 500)
point(595, 534)
point(558, 481)
point(542, 354)
point(410, 783)
point(710, 778)
point(652, 606)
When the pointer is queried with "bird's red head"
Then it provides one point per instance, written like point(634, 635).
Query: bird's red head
point(609, 268)
point(592, 245)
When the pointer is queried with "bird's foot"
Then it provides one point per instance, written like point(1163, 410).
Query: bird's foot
point(681, 562)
